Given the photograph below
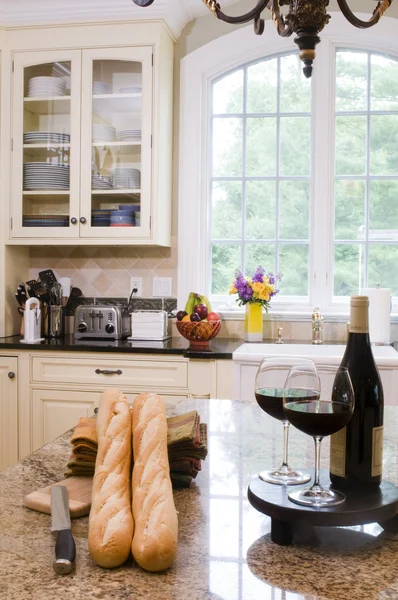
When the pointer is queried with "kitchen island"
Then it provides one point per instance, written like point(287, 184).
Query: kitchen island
point(225, 551)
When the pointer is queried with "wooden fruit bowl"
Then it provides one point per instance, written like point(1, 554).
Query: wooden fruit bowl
point(198, 333)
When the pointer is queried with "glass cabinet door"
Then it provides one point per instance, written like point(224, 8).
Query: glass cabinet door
point(116, 143)
point(46, 144)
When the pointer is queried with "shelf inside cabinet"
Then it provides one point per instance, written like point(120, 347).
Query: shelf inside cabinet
point(117, 103)
point(43, 150)
point(46, 193)
point(113, 144)
point(54, 105)
point(115, 192)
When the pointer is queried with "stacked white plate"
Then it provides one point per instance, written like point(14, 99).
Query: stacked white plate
point(62, 70)
point(126, 178)
point(130, 90)
point(42, 137)
point(46, 86)
point(45, 176)
point(100, 88)
point(103, 133)
point(101, 182)
point(130, 135)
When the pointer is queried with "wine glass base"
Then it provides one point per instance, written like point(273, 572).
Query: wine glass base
point(285, 476)
point(320, 498)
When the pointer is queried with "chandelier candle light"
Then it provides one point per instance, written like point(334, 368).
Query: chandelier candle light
point(305, 18)
point(254, 293)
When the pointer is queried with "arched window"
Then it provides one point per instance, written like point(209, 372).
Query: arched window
point(300, 176)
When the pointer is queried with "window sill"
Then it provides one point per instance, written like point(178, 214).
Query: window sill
point(291, 316)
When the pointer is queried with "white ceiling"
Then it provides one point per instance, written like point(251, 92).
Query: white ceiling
point(176, 13)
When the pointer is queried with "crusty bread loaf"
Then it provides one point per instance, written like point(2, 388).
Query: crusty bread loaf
point(111, 523)
point(154, 544)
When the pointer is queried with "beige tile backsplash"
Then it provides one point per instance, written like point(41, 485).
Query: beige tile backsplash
point(106, 271)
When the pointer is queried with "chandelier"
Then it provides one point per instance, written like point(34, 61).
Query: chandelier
point(305, 18)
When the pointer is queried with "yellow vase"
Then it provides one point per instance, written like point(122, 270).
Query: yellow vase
point(253, 329)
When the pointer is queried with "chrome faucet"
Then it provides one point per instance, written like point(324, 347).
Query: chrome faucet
point(279, 340)
point(317, 326)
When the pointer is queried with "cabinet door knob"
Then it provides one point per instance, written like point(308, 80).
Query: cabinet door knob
point(83, 220)
point(11, 375)
point(73, 220)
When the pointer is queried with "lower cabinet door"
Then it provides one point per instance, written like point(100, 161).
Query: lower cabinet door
point(56, 411)
point(8, 411)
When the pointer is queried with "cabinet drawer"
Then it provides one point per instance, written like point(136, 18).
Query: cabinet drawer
point(147, 374)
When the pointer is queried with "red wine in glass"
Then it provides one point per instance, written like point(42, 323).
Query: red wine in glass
point(271, 399)
point(318, 417)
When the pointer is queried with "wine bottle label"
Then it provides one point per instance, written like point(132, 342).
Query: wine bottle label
point(377, 451)
point(359, 318)
point(337, 453)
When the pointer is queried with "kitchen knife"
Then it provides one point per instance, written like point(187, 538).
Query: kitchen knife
point(65, 549)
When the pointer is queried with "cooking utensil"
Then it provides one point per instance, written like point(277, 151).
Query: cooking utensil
point(48, 276)
point(20, 294)
point(79, 496)
point(65, 549)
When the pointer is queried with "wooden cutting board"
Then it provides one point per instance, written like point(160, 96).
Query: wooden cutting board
point(79, 494)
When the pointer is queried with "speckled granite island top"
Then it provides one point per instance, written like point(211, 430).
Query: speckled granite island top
point(225, 551)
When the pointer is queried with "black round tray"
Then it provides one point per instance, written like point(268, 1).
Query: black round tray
point(378, 506)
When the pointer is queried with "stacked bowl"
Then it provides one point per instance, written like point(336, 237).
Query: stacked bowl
point(125, 177)
point(134, 209)
point(103, 133)
point(122, 218)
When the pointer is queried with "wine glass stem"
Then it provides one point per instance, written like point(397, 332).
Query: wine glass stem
point(285, 442)
point(317, 484)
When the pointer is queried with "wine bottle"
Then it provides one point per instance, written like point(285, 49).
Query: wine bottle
point(356, 452)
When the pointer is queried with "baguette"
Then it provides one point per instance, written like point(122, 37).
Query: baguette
point(154, 544)
point(111, 523)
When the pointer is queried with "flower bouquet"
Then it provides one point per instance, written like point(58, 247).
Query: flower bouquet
point(255, 293)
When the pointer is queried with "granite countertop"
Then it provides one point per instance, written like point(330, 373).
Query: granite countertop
point(225, 551)
point(218, 348)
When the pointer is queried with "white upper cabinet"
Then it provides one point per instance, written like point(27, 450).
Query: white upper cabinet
point(91, 146)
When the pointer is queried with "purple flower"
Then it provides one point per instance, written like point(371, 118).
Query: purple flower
point(259, 275)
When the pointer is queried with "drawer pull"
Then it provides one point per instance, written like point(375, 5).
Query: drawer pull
point(108, 372)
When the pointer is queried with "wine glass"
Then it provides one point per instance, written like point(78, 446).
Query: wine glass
point(269, 390)
point(319, 417)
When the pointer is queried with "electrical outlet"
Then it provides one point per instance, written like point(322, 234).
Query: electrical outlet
point(136, 282)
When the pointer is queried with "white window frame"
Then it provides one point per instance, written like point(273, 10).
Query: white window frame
point(198, 70)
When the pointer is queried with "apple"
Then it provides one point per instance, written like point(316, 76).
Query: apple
point(195, 317)
point(213, 316)
point(181, 314)
point(201, 310)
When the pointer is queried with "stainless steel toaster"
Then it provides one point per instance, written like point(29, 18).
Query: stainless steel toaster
point(101, 322)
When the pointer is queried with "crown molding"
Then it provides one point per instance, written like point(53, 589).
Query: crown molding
point(25, 13)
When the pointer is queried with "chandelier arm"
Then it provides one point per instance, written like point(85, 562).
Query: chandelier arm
point(253, 14)
point(378, 12)
point(283, 28)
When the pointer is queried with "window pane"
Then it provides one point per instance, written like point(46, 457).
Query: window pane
point(294, 204)
point(348, 269)
point(227, 210)
point(293, 264)
point(349, 214)
point(227, 147)
point(383, 262)
point(383, 212)
point(228, 94)
point(383, 83)
point(261, 147)
point(351, 80)
point(262, 85)
point(383, 145)
point(350, 145)
point(260, 210)
point(259, 254)
point(226, 258)
point(295, 94)
point(295, 149)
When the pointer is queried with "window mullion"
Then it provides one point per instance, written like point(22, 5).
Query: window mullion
point(322, 214)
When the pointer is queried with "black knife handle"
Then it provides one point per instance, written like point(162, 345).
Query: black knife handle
point(65, 552)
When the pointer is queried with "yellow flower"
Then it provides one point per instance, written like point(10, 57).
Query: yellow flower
point(257, 288)
point(232, 289)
